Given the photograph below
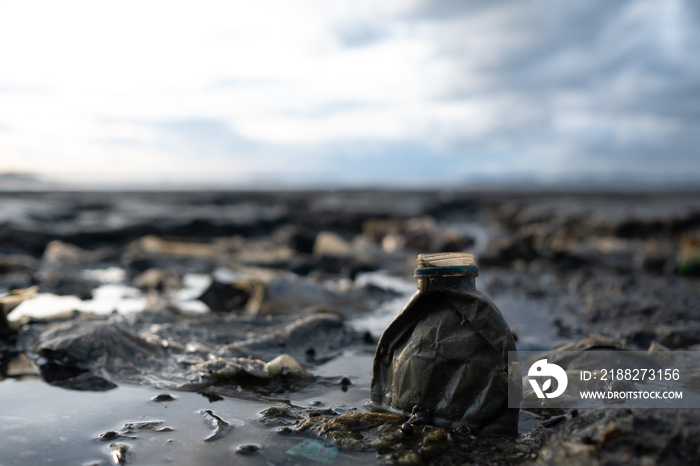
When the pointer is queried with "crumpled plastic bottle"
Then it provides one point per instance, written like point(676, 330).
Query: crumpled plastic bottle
point(447, 351)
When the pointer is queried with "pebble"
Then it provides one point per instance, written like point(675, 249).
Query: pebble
point(249, 449)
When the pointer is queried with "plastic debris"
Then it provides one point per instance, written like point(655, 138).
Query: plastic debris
point(447, 350)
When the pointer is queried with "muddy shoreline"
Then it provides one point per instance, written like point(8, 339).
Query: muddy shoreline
point(200, 292)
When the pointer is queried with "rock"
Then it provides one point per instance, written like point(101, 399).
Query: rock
point(158, 280)
point(332, 245)
point(300, 238)
point(325, 332)
point(285, 365)
point(81, 382)
point(289, 294)
point(248, 449)
point(655, 256)
point(259, 291)
point(231, 375)
point(416, 234)
point(155, 252)
point(163, 398)
point(232, 369)
point(263, 292)
point(678, 337)
point(263, 253)
point(241, 294)
point(60, 254)
point(523, 245)
point(130, 430)
point(614, 253)
point(102, 345)
point(420, 234)
point(594, 342)
point(610, 436)
point(21, 366)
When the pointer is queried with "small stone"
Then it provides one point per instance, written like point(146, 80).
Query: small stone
point(419, 416)
point(110, 435)
point(249, 449)
point(284, 365)
point(163, 397)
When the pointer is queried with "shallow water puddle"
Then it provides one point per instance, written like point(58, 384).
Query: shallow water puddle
point(46, 424)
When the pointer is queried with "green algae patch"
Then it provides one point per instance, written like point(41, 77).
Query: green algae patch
point(387, 434)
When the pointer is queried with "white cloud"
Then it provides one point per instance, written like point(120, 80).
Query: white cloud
point(89, 87)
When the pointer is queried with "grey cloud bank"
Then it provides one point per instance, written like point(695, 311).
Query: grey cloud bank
point(371, 92)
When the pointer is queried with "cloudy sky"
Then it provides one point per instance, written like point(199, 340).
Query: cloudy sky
point(351, 92)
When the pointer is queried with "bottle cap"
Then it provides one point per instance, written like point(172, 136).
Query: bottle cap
point(445, 263)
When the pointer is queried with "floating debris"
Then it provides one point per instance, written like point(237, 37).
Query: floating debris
point(130, 429)
point(315, 450)
point(221, 427)
point(119, 452)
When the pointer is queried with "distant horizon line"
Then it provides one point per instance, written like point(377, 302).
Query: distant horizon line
point(17, 182)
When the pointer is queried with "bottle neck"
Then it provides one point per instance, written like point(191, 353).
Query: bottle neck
point(447, 282)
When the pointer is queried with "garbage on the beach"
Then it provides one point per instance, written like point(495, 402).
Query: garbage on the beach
point(447, 350)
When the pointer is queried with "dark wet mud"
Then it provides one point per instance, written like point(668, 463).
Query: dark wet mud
point(181, 328)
